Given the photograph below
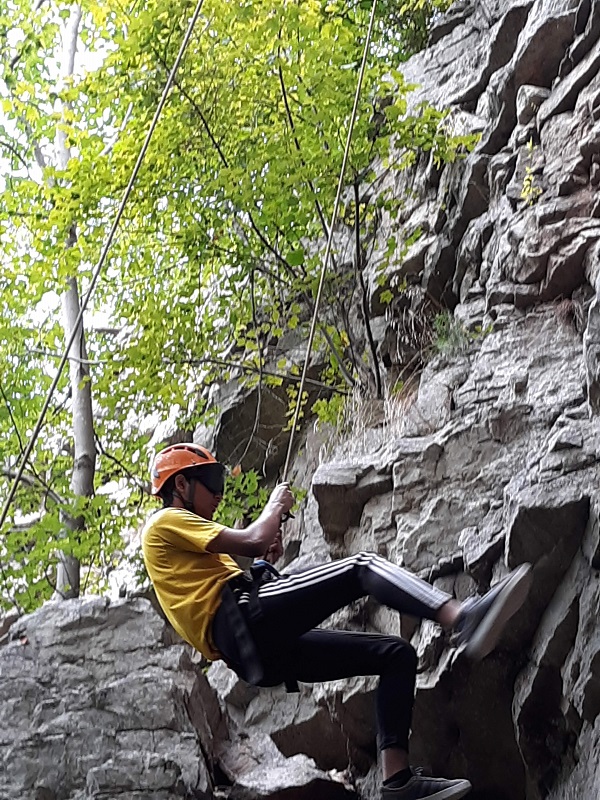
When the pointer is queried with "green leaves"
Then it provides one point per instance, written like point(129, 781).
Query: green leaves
point(295, 258)
point(220, 248)
point(244, 499)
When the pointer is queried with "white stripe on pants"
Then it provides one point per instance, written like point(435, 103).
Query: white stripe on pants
point(296, 603)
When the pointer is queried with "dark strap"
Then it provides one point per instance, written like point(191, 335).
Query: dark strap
point(245, 659)
point(261, 567)
point(247, 662)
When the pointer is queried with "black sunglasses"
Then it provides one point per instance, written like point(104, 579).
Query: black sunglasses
point(211, 476)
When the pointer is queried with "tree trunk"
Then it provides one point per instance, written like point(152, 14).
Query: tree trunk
point(84, 449)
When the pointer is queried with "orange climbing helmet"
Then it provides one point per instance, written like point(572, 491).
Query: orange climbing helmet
point(178, 457)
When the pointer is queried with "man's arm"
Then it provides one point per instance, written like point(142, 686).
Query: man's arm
point(256, 539)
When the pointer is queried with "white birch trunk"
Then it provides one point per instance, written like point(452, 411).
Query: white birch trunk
point(84, 452)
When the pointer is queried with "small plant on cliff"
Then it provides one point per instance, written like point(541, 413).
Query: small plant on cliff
point(531, 191)
point(452, 337)
point(330, 411)
point(570, 313)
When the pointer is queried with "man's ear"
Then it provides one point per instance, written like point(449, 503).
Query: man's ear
point(181, 484)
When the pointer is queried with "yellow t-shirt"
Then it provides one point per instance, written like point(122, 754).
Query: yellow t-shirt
point(187, 579)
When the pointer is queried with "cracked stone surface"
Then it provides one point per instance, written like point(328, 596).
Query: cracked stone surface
point(492, 459)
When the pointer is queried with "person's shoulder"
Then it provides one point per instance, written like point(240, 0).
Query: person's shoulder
point(158, 517)
point(178, 519)
point(163, 518)
point(165, 514)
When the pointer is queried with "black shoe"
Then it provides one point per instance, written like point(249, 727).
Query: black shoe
point(421, 788)
point(482, 619)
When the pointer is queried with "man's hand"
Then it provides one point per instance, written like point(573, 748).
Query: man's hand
point(275, 550)
point(280, 502)
point(281, 499)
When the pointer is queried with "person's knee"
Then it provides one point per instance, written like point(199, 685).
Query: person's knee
point(368, 570)
point(401, 655)
point(364, 558)
point(410, 655)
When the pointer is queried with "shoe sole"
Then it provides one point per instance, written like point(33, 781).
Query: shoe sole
point(508, 602)
point(450, 793)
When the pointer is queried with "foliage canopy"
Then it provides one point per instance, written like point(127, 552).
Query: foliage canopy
point(218, 253)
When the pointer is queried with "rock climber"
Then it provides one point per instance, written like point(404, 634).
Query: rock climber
point(263, 624)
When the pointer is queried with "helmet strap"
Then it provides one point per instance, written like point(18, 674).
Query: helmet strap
point(188, 499)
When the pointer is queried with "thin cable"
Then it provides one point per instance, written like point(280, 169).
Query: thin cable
point(330, 238)
point(99, 266)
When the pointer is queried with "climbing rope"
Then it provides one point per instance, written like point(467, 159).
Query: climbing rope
point(104, 253)
point(334, 216)
point(97, 271)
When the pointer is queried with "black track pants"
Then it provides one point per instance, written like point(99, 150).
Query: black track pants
point(292, 605)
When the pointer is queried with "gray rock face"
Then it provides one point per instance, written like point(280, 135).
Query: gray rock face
point(93, 704)
point(491, 461)
point(251, 425)
point(500, 465)
point(342, 493)
point(508, 477)
point(98, 700)
point(260, 771)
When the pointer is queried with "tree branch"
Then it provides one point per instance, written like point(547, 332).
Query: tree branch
point(365, 301)
point(12, 419)
point(260, 370)
point(15, 153)
point(140, 484)
point(8, 473)
point(110, 145)
point(82, 361)
point(274, 251)
point(16, 58)
point(265, 242)
point(252, 369)
point(299, 149)
point(52, 585)
point(32, 480)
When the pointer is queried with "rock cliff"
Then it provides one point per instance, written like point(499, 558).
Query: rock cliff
point(490, 462)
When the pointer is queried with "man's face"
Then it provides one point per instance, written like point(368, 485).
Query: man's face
point(200, 491)
point(204, 502)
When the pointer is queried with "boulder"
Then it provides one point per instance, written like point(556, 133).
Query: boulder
point(94, 703)
point(258, 770)
point(343, 491)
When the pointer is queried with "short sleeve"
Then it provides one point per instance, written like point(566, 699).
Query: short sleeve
point(186, 531)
